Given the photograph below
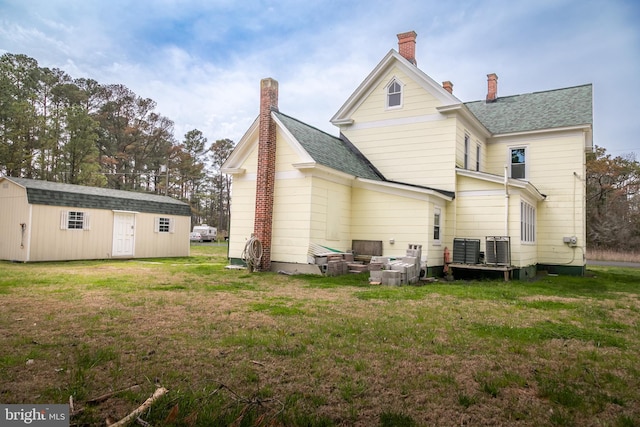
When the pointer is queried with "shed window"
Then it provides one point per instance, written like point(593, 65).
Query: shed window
point(163, 225)
point(394, 94)
point(74, 220)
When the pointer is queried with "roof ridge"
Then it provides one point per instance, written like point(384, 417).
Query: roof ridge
point(534, 93)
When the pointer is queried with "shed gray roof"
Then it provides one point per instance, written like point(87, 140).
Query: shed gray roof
point(328, 150)
point(80, 196)
point(550, 109)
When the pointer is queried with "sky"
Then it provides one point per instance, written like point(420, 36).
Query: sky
point(201, 61)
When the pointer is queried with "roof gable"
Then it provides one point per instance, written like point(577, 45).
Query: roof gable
point(80, 196)
point(551, 109)
point(392, 59)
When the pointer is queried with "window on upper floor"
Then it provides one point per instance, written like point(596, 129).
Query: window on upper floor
point(478, 157)
point(518, 162)
point(394, 94)
point(527, 223)
point(466, 150)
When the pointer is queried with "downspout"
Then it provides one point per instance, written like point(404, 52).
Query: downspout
point(506, 201)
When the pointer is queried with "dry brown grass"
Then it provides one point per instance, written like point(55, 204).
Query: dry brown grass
point(310, 351)
point(611, 255)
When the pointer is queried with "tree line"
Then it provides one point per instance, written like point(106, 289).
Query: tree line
point(613, 201)
point(75, 130)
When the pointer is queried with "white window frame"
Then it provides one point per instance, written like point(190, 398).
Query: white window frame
point(164, 224)
point(467, 143)
point(437, 226)
point(527, 222)
point(387, 95)
point(526, 162)
point(74, 220)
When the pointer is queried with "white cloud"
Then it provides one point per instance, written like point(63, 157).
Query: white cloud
point(202, 61)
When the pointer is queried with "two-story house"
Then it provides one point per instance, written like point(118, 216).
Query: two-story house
point(415, 165)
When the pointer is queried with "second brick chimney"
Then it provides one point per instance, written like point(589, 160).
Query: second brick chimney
point(265, 180)
point(492, 87)
point(407, 46)
point(448, 86)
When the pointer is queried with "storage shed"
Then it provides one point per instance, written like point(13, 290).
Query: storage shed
point(49, 221)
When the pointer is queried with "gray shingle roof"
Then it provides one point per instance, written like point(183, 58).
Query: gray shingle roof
point(328, 150)
point(59, 194)
point(538, 110)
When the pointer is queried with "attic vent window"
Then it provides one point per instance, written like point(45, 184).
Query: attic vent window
point(394, 94)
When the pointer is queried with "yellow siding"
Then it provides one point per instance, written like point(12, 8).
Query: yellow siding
point(243, 197)
point(380, 216)
point(411, 144)
point(482, 210)
point(331, 214)
point(14, 210)
point(552, 161)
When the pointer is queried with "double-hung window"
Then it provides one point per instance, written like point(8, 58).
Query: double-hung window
point(478, 157)
point(518, 162)
point(436, 225)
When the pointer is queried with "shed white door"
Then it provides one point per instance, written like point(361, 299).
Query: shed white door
point(124, 227)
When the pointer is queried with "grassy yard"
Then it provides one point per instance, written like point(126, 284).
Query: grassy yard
point(263, 349)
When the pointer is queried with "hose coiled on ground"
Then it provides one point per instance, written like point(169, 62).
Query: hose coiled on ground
point(252, 253)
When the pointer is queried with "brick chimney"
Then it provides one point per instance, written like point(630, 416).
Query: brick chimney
point(492, 87)
point(407, 46)
point(448, 86)
point(265, 180)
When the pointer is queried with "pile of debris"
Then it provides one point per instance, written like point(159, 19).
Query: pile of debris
point(401, 271)
point(382, 270)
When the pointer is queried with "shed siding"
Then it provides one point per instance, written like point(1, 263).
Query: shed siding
point(14, 210)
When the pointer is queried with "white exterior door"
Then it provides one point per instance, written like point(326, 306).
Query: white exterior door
point(124, 227)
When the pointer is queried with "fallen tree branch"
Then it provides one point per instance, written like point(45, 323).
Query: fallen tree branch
point(156, 395)
point(109, 395)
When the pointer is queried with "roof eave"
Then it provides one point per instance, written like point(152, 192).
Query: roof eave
point(498, 179)
point(362, 182)
point(584, 127)
point(467, 114)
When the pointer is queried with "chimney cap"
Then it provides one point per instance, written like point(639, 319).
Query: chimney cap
point(407, 46)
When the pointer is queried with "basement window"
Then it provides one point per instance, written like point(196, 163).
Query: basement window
point(163, 225)
point(394, 94)
point(74, 220)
